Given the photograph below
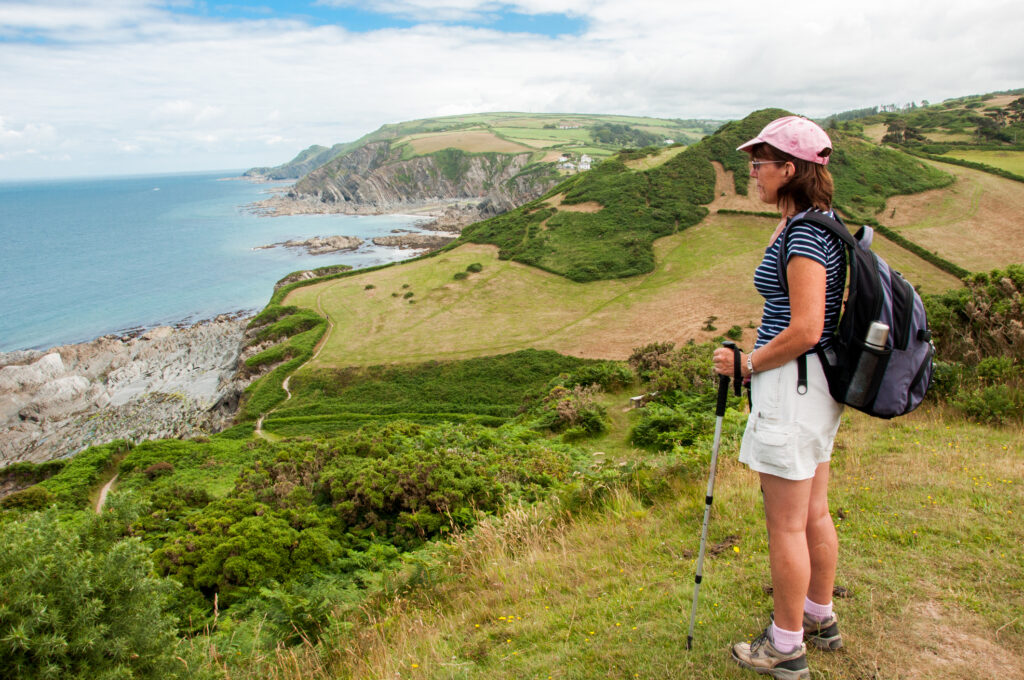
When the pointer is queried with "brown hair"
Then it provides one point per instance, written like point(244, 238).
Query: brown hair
point(810, 187)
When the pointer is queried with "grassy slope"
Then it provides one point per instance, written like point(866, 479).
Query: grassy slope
point(975, 222)
point(1007, 160)
point(927, 513)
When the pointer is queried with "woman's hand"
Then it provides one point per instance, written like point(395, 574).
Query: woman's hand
point(724, 363)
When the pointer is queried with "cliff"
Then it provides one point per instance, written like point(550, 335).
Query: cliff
point(304, 162)
point(376, 179)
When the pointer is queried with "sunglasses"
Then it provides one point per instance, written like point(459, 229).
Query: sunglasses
point(757, 164)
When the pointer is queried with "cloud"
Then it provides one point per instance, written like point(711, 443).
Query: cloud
point(185, 91)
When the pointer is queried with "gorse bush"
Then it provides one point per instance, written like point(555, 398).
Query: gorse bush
point(682, 411)
point(978, 332)
point(71, 607)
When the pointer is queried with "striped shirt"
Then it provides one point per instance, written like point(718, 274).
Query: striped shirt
point(823, 247)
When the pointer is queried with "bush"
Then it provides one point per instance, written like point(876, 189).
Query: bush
point(75, 609)
point(369, 286)
point(475, 268)
point(460, 276)
point(158, 469)
point(734, 333)
point(650, 358)
point(408, 295)
point(575, 408)
point(32, 498)
point(997, 404)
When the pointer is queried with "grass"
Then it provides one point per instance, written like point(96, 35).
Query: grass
point(509, 307)
point(926, 509)
point(1012, 161)
point(962, 222)
point(471, 141)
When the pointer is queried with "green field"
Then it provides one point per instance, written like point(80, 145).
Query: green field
point(701, 272)
point(1012, 161)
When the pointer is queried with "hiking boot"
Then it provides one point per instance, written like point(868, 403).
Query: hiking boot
point(823, 634)
point(762, 656)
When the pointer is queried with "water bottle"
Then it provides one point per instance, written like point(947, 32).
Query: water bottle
point(857, 392)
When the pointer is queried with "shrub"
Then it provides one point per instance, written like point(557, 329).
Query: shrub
point(475, 268)
point(158, 469)
point(460, 276)
point(564, 408)
point(74, 609)
point(609, 375)
point(996, 404)
point(650, 358)
point(734, 333)
point(369, 286)
point(32, 498)
point(408, 295)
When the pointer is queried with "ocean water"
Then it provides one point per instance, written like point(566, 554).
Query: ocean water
point(83, 258)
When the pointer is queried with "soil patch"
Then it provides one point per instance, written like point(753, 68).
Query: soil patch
point(726, 197)
point(585, 207)
point(949, 644)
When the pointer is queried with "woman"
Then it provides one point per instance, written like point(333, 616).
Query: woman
point(789, 434)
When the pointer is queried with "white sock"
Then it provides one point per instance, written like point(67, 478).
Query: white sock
point(786, 640)
point(818, 612)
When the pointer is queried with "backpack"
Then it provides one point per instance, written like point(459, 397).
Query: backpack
point(885, 382)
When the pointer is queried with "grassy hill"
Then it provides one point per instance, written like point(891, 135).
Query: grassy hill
point(439, 475)
point(545, 135)
point(601, 224)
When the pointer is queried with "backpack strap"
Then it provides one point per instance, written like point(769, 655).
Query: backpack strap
point(835, 226)
point(817, 218)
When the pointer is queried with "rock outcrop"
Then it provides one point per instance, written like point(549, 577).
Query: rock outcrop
point(163, 383)
point(319, 245)
point(374, 179)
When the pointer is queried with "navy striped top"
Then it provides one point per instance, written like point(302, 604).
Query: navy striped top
point(823, 247)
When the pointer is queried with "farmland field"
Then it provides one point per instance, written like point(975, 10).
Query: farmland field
point(1013, 161)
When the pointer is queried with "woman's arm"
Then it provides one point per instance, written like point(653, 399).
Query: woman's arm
point(806, 279)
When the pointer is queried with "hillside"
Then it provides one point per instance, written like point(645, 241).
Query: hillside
point(478, 165)
point(601, 224)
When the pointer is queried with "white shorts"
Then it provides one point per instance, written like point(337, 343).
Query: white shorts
point(789, 434)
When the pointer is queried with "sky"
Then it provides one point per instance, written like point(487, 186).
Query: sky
point(116, 87)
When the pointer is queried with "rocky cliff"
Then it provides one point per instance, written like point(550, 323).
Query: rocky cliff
point(165, 383)
point(376, 179)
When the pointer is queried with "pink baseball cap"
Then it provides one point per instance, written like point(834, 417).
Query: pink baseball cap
point(797, 136)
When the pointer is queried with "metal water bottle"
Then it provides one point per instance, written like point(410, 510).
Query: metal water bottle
point(857, 392)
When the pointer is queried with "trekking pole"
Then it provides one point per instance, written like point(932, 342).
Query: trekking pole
point(723, 394)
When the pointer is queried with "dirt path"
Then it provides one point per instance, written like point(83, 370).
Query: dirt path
point(103, 494)
point(258, 431)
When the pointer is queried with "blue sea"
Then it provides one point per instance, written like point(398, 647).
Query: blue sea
point(84, 258)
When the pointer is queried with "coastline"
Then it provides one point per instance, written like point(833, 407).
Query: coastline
point(157, 383)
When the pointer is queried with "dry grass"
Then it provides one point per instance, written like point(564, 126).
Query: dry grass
point(702, 272)
point(648, 162)
point(473, 142)
point(875, 132)
point(974, 223)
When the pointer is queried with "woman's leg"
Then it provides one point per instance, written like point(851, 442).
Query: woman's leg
point(822, 542)
point(786, 504)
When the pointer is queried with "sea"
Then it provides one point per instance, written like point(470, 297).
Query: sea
point(88, 257)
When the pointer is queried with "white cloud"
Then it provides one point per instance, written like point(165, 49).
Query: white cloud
point(187, 92)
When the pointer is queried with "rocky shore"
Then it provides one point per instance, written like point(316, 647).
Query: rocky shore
point(319, 245)
point(165, 382)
